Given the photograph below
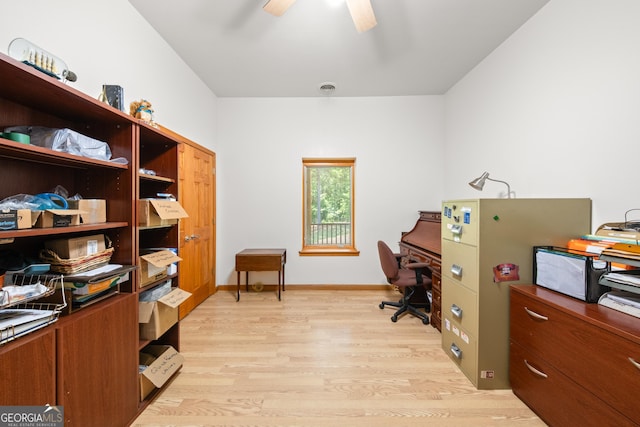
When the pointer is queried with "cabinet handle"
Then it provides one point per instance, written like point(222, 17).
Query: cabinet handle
point(456, 270)
point(455, 350)
point(192, 237)
point(636, 364)
point(534, 370)
point(535, 315)
point(456, 311)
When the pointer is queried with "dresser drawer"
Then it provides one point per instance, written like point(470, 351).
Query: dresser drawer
point(460, 346)
point(460, 262)
point(460, 221)
point(554, 397)
point(460, 305)
point(595, 358)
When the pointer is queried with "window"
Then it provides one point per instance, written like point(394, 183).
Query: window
point(328, 207)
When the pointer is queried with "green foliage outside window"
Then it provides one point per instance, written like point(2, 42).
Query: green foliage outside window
point(328, 206)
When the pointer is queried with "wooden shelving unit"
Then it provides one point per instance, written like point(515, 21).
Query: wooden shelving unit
point(88, 360)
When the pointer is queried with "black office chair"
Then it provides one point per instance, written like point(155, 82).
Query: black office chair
point(408, 279)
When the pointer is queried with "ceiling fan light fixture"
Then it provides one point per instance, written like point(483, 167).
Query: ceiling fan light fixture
point(277, 7)
point(362, 14)
point(327, 88)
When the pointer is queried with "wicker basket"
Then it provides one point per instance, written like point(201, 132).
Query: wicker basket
point(75, 265)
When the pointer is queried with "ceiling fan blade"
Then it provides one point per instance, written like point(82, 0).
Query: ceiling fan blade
point(362, 14)
point(277, 7)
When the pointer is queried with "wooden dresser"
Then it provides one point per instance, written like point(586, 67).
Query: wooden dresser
point(573, 363)
point(422, 244)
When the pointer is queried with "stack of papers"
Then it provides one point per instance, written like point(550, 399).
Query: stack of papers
point(14, 294)
point(17, 322)
point(625, 279)
point(626, 302)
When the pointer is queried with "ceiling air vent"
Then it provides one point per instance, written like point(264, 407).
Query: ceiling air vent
point(327, 88)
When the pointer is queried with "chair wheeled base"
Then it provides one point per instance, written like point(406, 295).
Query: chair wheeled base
point(404, 306)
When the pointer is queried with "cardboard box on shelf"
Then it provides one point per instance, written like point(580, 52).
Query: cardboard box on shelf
point(94, 210)
point(57, 218)
point(16, 219)
point(159, 212)
point(156, 317)
point(160, 362)
point(78, 246)
point(155, 266)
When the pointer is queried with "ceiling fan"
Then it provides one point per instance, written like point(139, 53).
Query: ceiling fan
point(360, 10)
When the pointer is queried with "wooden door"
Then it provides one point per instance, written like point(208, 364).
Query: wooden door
point(197, 237)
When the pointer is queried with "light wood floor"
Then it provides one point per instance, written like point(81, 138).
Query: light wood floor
point(323, 359)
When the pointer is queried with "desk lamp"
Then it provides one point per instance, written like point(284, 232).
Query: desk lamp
point(478, 183)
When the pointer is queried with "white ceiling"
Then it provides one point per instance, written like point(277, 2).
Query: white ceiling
point(419, 47)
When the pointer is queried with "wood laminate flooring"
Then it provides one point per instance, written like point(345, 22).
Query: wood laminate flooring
point(320, 358)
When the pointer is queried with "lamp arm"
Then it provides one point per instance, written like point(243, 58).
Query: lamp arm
point(505, 183)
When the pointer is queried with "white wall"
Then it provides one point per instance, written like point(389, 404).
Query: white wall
point(554, 110)
point(397, 143)
point(108, 42)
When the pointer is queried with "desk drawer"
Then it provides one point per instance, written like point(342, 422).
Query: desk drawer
point(596, 358)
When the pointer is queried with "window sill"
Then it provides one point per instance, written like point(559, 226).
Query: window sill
point(329, 252)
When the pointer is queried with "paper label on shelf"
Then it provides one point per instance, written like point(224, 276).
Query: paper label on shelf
point(174, 298)
point(168, 209)
point(165, 365)
point(161, 259)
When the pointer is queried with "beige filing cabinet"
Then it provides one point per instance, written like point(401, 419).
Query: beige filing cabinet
point(487, 245)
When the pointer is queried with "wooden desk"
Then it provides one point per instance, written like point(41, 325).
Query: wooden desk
point(261, 260)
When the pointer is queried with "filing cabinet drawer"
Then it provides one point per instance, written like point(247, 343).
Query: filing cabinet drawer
point(460, 305)
point(460, 221)
point(460, 262)
point(460, 346)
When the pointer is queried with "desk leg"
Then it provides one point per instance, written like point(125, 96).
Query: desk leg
point(279, 281)
point(246, 280)
point(238, 289)
point(282, 277)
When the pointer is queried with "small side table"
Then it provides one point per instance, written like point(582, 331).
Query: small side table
point(261, 260)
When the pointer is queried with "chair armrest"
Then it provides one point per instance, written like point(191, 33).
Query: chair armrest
point(415, 265)
point(422, 270)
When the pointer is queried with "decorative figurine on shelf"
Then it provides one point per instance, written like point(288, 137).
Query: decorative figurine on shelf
point(142, 110)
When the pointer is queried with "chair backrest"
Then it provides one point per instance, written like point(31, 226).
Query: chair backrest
point(388, 262)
